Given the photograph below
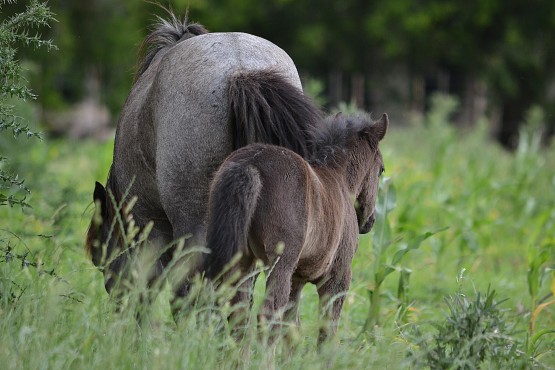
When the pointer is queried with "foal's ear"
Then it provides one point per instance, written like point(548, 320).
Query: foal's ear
point(379, 128)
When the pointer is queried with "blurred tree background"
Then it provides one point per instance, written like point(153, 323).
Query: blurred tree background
point(497, 57)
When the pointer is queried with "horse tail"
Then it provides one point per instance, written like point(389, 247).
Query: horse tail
point(267, 108)
point(233, 199)
point(166, 33)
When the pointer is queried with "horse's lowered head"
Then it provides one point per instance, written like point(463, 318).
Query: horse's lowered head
point(99, 228)
point(105, 241)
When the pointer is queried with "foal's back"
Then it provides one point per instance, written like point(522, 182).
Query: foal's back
point(283, 201)
point(277, 179)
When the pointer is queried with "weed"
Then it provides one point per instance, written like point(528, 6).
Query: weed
point(498, 207)
point(384, 263)
point(474, 333)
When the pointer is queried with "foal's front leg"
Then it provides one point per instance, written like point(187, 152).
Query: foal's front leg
point(331, 292)
point(279, 284)
point(243, 298)
point(278, 289)
point(292, 312)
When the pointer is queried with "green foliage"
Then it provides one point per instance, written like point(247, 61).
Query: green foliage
point(15, 30)
point(346, 108)
point(497, 207)
point(492, 41)
point(442, 109)
point(474, 333)
point(386, 263)
point(10, 182)
point(315, 89)
point(99, 42)
point(10, 290)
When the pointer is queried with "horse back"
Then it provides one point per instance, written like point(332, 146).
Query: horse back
point(174, 129)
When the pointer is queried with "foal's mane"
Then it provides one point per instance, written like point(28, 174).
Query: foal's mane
point(332, 138)
point(166, 33)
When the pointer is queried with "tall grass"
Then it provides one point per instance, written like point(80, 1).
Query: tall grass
point(495, 211)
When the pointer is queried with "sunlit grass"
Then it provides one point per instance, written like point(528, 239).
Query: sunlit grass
point(497, 208)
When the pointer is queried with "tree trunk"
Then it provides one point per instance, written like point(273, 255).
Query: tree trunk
point(335, 87)
point(357, 90)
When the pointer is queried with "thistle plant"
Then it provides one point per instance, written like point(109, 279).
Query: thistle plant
point(14, 31)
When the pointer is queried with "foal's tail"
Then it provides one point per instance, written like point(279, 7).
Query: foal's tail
point(233, 199)
point(267, 108)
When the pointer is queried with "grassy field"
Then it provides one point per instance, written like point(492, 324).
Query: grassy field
point(459, 216)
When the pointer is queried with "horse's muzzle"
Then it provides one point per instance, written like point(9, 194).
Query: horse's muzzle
point(367, 226)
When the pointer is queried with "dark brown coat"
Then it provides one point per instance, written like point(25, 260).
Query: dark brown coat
point(300, 217)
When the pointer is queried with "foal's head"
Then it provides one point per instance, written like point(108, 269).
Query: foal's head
point(350, 143)
point(365, 168)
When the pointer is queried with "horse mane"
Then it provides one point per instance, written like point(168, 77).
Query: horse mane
point(166, 33)
point(331, 139)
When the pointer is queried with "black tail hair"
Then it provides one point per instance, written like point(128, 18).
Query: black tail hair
point(167, 33)
point(267, 108)
point(233, 199)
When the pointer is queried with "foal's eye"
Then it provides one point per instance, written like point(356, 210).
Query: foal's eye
point(382, 170)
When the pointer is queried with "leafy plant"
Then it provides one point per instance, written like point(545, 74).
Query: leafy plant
point(14, 31)
point(10, 289)
point(442, 109)
point(314, 88)
point(346, 108)
point(474, 333)
point(538, 218)
point(474, 182)
point(383, 266)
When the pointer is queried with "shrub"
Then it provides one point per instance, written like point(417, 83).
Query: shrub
point(13, 31)
point(475, 334)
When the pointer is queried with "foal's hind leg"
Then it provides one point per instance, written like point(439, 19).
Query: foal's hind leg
point(292, 314)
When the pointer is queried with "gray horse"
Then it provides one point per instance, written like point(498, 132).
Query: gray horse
point(197, 97)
